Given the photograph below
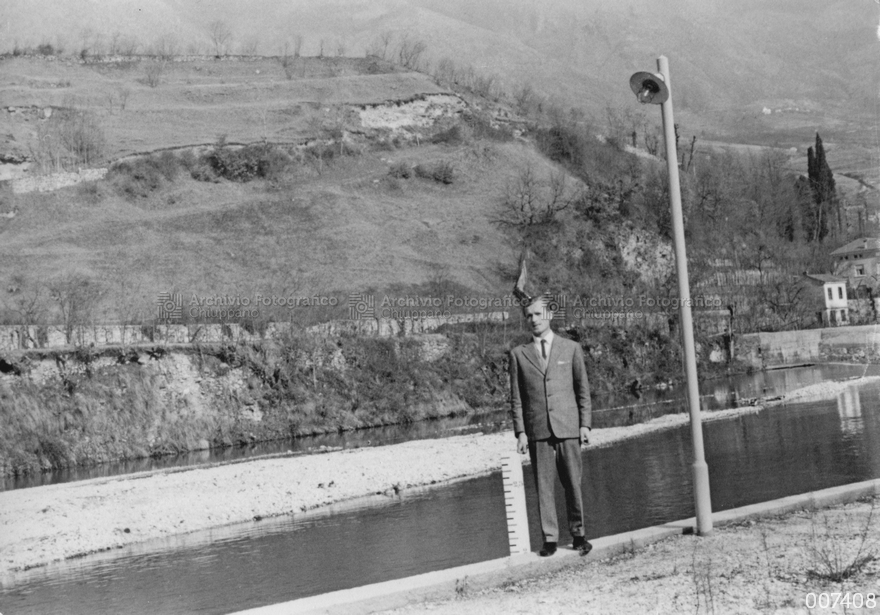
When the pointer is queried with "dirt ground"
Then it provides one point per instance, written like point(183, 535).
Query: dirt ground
point(773, 565)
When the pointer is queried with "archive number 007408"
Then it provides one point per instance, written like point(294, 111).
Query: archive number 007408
point(830, 600)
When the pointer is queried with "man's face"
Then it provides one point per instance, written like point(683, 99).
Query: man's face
point(538, 317)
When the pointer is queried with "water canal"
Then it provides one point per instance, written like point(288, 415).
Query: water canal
point(616, 410)
point(637, 483)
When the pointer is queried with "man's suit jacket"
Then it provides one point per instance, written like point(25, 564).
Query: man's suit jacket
point(553, 402)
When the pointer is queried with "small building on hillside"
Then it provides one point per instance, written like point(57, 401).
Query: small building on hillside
point(825, 296)
point(859, 262)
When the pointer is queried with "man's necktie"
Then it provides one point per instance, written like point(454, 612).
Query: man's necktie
point(544, 350)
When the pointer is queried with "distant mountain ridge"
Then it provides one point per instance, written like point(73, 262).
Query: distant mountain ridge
point(729, 59)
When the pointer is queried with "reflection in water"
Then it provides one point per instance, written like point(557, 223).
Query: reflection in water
point(637, 483)
point(849, 408)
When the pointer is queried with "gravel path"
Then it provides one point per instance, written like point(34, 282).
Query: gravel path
point(55, 522)
point(773, 565)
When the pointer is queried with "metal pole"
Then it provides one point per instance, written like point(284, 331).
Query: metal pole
point(702, 495)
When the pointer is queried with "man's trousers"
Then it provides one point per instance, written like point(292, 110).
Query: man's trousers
point(550, 457)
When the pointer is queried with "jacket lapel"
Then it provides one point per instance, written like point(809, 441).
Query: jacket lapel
point(555, 350)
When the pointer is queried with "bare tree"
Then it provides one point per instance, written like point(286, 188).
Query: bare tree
point(410, 52)
point(28, 306)
point(114, 45)
point(153, 73)
point(524, 97)
point(290, 53)
point(77, 297)
point(446, 71)
point(85, 42)
point(69, 138)
point(128, 46)
point(380, 44)
point(166, 47)
point(385, 41)
point(250, 46)
point(221, 37)
point(123, 95)
point(529, 200)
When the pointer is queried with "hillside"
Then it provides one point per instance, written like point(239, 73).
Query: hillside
point(195, 102)
point(335, 222)
point(729, 59)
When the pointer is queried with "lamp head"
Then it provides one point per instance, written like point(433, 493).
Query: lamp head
point(649, 88)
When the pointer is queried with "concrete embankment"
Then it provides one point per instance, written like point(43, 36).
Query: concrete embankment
point(662, 569)
point(853, 344)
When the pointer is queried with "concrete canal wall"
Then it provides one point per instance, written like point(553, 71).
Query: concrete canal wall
point(762, 350)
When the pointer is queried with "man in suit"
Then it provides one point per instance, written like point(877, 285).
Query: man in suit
point(550, 408)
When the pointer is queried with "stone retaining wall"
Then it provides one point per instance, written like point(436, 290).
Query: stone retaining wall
point(21, 337)
point(54, 181)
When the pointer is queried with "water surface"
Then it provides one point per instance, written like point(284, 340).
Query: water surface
point(638, 483)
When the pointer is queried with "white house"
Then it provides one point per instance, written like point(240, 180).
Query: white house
point(826, 294)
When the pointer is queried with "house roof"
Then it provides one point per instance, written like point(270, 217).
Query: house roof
point(824, 278)
point(859, 245)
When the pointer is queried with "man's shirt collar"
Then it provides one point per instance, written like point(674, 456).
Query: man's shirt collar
point(548, 335)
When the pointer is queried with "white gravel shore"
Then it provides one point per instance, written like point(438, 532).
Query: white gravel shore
point(45, 524)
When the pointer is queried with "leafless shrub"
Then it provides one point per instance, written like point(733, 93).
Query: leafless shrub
point(123, 45)
point(832, 555)
point(446, 70)
point(250, 46)
point(701, 573)
point(410, 52)
point(153, 73)
point(221, 37)
point(483, 85)
point(379, 46)
point(525, 98)
point(165, 47)
point(27, 305)
point(76, 296)
point(290, 53)
point(86, 36)
point(529, 199)
point(69, 139)
point(122, 95)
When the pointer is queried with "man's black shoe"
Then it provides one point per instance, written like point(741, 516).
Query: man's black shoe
point(548, 549)
point(580, 544)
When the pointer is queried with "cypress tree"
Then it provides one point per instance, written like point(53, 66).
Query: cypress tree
point(822, 188)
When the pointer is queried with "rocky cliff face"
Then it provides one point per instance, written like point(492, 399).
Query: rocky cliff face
point(62, 408)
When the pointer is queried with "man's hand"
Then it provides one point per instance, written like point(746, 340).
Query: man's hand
point(585, 435)
point(522, 444)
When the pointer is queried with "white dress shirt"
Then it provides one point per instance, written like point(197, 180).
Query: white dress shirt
point(547, 337)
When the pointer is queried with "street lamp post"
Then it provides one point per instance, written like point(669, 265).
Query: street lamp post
point(653, 88)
